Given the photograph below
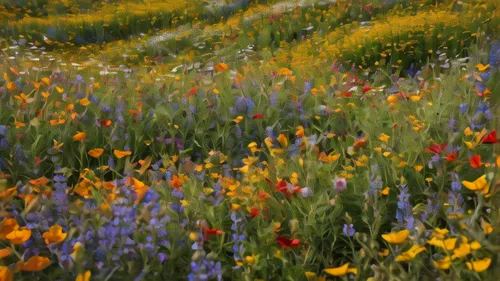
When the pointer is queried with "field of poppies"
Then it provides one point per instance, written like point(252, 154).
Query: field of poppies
point(250, 140)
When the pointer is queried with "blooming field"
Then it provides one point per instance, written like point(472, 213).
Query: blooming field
point(307, 140)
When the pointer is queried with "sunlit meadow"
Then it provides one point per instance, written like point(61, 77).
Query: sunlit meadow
point(249, 140)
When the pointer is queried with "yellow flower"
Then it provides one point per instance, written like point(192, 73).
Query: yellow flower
point(283, 140)
point(285, 72)
point(439, 233)
point(384, 253)
point(487, 228)
point(341, 270)
point(120, 154)
point(84, 102)
point(415, 98)
point(411, 253)
point(448, 244)
point(54, 235)
point(84, 276)
point(396, 237)
point(468, 132)
point(418, 168)
point(96, 152)
point(443, 264)
point(385, 191)
point(383, 137)
point(479, 185)
point(6, 274)
point(481, 67)
point(79, 136)
point(238, 119)
point(462, 251)
point(19, 236)
point(35, 263)
point(250, 259)
point(479, 265)
point(392, 99)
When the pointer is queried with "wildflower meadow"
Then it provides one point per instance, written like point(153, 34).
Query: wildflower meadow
point(249, 140)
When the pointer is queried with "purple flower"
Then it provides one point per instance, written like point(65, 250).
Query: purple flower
point(340, 184)
point(348, 230)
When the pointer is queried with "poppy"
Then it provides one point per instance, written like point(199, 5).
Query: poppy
point(437, 148)
point(479, 265)
point(105, 122)
point(475, 161)
point(19, 236)
point(79, 136)
point(8, 225)
point(452, 157)
point(257, 116)
point(84, 276)
point(120, 154)
point(35, 263)
point(209, 232)
point(221, 67)
point(341, 270)
point(54, 235)
point(282, 186)
point(286, 242)
point(5, 252)
point(96, 152)
point(254, 211)
point(396, 237)
point(490, 138)
point(410, 254)
point(480, 184)
point(6, 274)
point(443, 264)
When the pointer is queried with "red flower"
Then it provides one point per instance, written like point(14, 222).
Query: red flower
point(257, 116)
point(211, 232)
point(475, 161)
point(491, 137)
point(254, 212)
point(366, 89)
point(286, 242)
point(437, 148)
point(452, 157)
point(282, 187)
point(105, 123)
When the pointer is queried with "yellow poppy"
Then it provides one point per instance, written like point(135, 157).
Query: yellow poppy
point(479, 185)
point(479, 265)
point(385, 191)
point(54, 235)
point(341, 270)
point(84, 102)
point(411, 253)
point(448, 244)
point(283, 140)
point(462, 251)
point(96, 152)
point(35, 263)
point(443, 264)
point(396, 237)
point(481, 67)
point(19, 236)
point(383, 137)
point(84, 276)
point(120, 154)
point(79, 136)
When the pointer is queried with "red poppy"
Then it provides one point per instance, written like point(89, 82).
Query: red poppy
point(257, 116)
point(491, 137)
point(452, 157)
point(105, 123)
point(437, 148)
point(262, 196)
point(475, 161)
point(296, 190)
point(210, 232)
point(286, 242)
point(254, 212)
point(282, 187)
point(360, 143)
point(366, 89)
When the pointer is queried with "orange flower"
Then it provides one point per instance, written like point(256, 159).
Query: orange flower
point(120, 154)
point(8, 225)
point(54, 235)
point(5, 253)
point(19, 236)
point(221, 67)
point(6, 274)
point(8, 193)
point(79, 136)
point(84, 276)
point(35, 263)
point(96, 152)
point(176, 182)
